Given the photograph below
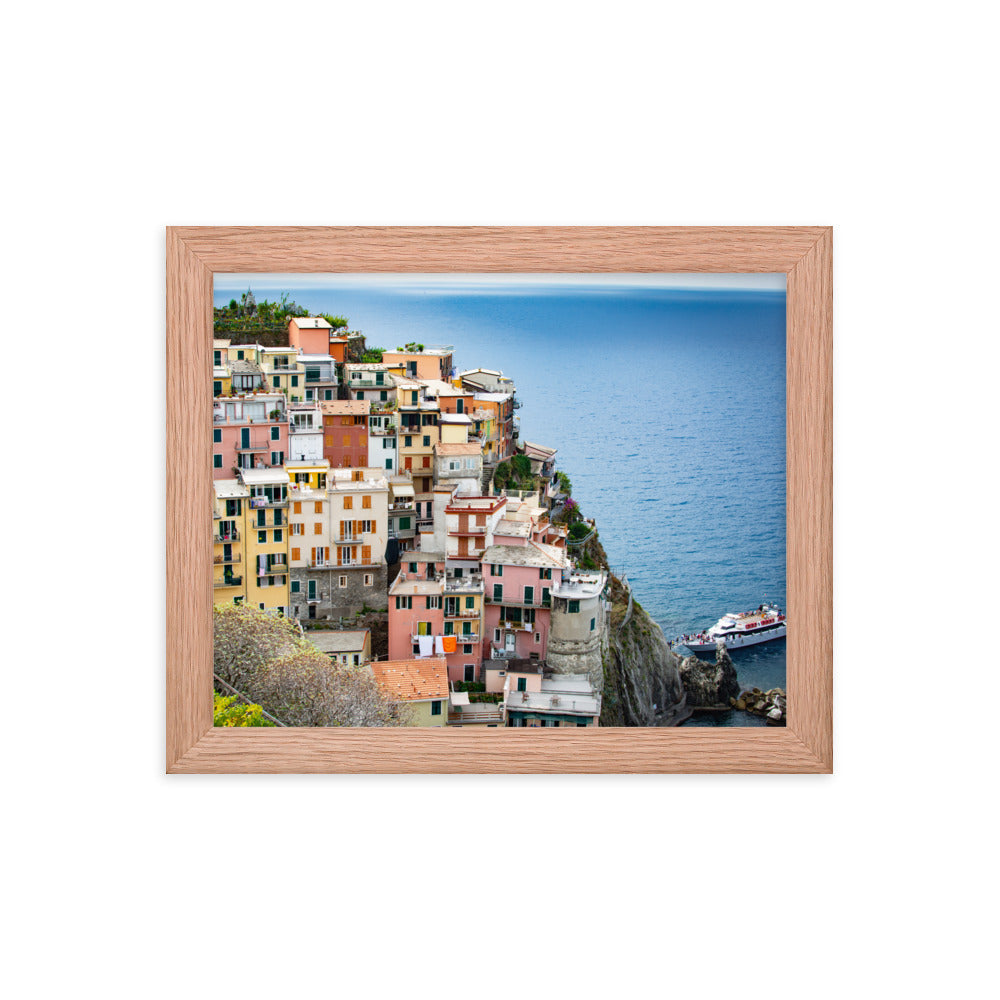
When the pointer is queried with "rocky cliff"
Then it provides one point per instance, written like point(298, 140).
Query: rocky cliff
point(709, 685)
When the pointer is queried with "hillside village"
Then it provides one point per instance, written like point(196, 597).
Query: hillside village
point(349, 491)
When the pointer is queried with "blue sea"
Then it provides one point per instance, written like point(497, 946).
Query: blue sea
point(666, 405)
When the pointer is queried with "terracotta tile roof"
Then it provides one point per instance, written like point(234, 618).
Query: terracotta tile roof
point(413, 680)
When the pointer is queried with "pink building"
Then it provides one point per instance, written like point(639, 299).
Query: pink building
point(518, 581)
point(416, 606)
point(248, 432)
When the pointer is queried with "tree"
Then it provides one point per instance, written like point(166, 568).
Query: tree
point(247, 639)
point(267, 659)
point(230, 711)
point(564, 484)
point(521, 467)
point(309, 689)
point(501, 475)
point(337, 322)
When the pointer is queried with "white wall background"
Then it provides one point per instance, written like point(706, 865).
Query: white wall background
point(876, 118)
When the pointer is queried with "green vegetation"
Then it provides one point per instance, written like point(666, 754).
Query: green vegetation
point(564, 484)
point(578, 529)
point(230, 711)
point(265, 658)
point(372, 356)
point(265, 323)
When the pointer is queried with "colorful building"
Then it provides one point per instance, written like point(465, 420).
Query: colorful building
point(310, 334)
point(228, 534)
point(248, 431)
point(421, 685)
point(305, 432)
point(283, 371)
point(557, 700)
point(266, 544)
point(429, 363)
point(345, 433)
point(416, 607)
point(348, 648)
point(519, 581)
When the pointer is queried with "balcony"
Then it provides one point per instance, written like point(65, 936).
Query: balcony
point(232, 581)
point(517, 626)
point(401, 505)
point(223, 561)
point(461, 637)
point(460, 613)
point(351, 565)
point(471, 529)
point(349, 538)
point(256, 446)
point(232, 536)
point(277, 569)
point(258, 503)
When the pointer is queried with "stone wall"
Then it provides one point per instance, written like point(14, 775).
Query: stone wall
point(336, 601)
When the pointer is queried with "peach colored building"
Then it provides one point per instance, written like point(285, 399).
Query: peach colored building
point(430, 363)
point(309, 334)
point(416, 607)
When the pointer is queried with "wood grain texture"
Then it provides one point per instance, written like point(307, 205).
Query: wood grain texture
point(803, 253)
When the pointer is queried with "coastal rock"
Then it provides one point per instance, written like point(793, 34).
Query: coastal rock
point(771, 704)
point(708, 685)
point(642, 685)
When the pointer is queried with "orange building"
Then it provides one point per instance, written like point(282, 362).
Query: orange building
point(345, 432)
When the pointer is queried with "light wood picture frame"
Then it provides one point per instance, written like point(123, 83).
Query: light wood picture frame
point(802, 253)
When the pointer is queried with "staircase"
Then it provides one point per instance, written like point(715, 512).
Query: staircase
point(487, 479)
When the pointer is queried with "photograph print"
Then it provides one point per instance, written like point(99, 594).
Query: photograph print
point(526, 500)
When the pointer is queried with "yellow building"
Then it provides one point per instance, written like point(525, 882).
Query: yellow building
point(228, 536)
point(266, 541)
point(283, 372)
point(307, 475)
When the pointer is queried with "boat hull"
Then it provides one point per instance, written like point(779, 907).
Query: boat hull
point(732, 642)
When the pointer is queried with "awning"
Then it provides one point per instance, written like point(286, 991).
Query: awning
point(402, 490)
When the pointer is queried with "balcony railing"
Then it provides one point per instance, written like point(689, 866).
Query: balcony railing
point(223, 561)
point(470, 529)
point(349, 538)
point(256, 446)
point(462, 613)
point(232, 581)
point(233, 536)
point(333, 565)
point(461, 637)
point(276, 569)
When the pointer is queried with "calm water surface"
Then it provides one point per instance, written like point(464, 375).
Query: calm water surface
point(667, 408)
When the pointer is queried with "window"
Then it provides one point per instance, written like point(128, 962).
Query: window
point(538, 637)
point(467, 648)
point(277, 458)
point(295, 381)
point(496, 635)
point(470, 672)
point(470, 602)
point(427, 440)
point(407, 441)
point(295, 554)
point(404, 523)
point(217, 436)
point(366, 503)
point(348, 503)
point(342, 582)
point(435, 708)
point(573, 607)
point(402, 603)
point(318, 507)
point(216, 388)
point(369, 580)
point(497, 570)
point(239, 357)
point(522, 683)
point(433, 602)
point(317, 528)
point(529, 595)
point(261, 537)
point(593, 624)
point(275, 433)
point(497, 591)
point(278, 536)
point(413, 567)
point(217, 461)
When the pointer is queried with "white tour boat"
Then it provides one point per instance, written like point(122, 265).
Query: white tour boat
point(746, 628)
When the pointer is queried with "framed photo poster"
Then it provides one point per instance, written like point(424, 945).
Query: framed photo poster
point(499, 500)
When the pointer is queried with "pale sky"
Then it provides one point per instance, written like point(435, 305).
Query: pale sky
point(452, 282)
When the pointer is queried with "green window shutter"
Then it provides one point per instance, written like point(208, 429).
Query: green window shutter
point(217, 461)
point(217, 436)
point(470, 602)
point(497, 591)
point(574, 607)
point(275, 433)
